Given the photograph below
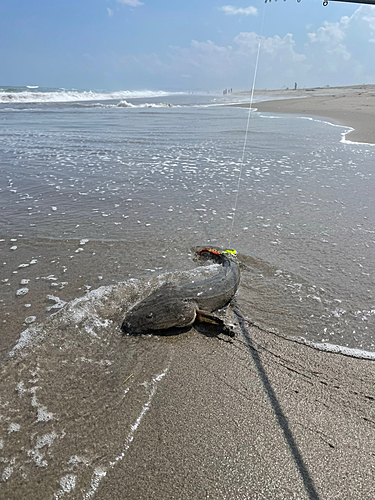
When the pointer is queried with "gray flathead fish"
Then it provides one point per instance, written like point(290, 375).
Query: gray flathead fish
point(180, 305)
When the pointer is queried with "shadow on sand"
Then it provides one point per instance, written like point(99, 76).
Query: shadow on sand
point(281, 418)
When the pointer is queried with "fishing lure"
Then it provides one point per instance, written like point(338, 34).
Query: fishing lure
point(217, 252)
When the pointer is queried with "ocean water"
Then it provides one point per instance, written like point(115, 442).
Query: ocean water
point(98, 189)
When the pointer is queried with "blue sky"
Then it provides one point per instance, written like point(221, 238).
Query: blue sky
point(184, 45)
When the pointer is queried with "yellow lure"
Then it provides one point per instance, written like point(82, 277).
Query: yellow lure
point(233, 252)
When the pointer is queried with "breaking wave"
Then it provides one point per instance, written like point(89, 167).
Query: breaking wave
point(30, 95)
point(126, 104)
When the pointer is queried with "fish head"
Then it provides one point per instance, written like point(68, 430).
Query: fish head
point(146, 317)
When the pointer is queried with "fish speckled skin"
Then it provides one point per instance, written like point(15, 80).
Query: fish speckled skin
point(180, 305)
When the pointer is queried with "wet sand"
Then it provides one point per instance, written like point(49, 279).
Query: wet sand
point(88, 413)
point(187, 416)
point(351, 106)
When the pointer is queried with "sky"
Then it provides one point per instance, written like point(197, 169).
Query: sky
point(185, 45)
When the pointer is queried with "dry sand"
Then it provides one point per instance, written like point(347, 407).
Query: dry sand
point(352, 106)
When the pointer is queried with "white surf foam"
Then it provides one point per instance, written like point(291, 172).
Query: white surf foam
point(83, 310)
point(75, 96)
point(347, 130)
point(126, 104)
point(100, 472)
point(338, 349)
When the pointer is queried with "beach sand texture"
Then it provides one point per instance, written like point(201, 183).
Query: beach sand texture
point(189, 416)
point(351, 106)
point(90, 414)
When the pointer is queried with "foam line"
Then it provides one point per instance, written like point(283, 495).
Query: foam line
point(101, 472)
point(338, 349)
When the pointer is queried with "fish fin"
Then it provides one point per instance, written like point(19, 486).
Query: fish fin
point(211, 319)
point(206, 317)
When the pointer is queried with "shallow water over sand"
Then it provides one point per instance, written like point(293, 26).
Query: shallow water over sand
point(100, 194)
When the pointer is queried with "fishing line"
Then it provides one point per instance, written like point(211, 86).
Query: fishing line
point(247, 129)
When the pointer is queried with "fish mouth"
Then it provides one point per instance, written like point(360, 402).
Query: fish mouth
point(126, 328)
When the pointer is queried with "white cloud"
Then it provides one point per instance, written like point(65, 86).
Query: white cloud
point(342, 49)
point(110, 12)
point(230, 10)
point(335, 53)
point(213, 66)
point(332, 35)
point(132, 3)
point(272, 47)
point(370, 19)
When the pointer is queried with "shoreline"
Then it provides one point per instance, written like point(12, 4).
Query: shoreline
point(185, 416)
point(353, 107)
point(90, 413)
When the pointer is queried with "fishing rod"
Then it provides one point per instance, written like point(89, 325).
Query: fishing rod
point(325, 2)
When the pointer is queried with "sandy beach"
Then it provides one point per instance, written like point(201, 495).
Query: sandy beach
point(188, 416)
point(351, 106)
point(87, 413)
